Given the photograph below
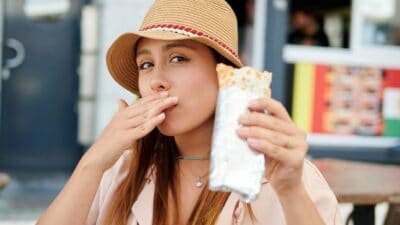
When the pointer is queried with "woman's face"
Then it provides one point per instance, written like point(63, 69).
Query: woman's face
point(185, 69)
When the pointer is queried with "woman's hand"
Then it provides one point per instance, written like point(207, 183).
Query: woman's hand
point(128, 125)
point(275, 135)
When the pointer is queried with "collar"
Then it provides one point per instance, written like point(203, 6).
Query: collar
point(142, 209)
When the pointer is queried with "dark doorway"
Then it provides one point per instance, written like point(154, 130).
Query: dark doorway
point(39, 89)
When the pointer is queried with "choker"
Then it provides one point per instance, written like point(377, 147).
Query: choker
point(192, 158)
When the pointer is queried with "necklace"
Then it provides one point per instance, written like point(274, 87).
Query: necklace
point(192, 158)
point(199, 179)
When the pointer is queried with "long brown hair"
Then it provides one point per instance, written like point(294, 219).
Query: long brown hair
point(157, 151)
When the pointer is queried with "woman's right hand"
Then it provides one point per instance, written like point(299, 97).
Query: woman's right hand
point(129, 124)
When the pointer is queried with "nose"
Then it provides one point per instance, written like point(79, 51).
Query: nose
point(158, 82)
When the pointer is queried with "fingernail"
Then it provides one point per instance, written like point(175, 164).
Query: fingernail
point(174, 99)
point(162, 115)
point(164, 93)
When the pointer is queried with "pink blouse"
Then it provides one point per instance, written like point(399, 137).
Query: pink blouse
point(266, 208)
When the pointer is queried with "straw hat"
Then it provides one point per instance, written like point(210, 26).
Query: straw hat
point(210, 22)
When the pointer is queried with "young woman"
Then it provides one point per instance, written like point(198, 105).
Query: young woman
point(170, 63)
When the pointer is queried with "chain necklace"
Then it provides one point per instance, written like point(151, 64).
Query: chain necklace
point(199, 179)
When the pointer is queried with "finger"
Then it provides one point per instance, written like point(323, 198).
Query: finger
point(143, 114)
point(141, 109)
point(268, 122)
point(163, 105)
point(276, 152)
point(272, 106)
point(156, 95)
point(122, 104)
point(150, 98)
point(276, 138)
point(145, 108)
point(148, 126)
point(270, 150)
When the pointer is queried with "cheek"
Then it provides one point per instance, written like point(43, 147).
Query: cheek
point(203, 90)
point(144, 86)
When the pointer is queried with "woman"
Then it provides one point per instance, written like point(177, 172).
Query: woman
point(170, 63)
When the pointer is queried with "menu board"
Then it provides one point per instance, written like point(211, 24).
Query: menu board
point(346, 100)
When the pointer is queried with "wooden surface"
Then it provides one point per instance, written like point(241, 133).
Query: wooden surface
point(361, 183)
point(4, 179)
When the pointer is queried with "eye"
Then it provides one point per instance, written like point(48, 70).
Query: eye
point(145, 65)
point(177, 59)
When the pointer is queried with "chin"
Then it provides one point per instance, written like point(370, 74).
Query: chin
point(168, 129)
point(174, 128)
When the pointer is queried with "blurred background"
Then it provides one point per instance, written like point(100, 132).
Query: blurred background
point(335, 65)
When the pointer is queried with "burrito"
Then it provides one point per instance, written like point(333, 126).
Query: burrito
point(234, 166)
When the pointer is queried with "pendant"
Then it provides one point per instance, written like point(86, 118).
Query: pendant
point(199, 183)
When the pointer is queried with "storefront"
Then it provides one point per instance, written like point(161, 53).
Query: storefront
point(265, 27)
point(344, 91)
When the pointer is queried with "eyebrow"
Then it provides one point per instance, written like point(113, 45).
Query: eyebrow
point(166, 48)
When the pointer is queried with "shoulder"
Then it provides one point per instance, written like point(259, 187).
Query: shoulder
point(120, 167)
point(312, 175)
point(108, 185)
point(312, 179)
point(321, 194)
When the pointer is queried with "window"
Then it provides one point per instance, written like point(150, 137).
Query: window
point(46, 10)
point(380, 22)
point(320, 23)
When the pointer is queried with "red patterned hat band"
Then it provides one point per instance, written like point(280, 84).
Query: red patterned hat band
point(190, 32)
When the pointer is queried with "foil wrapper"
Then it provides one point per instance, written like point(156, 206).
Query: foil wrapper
point(234, 166)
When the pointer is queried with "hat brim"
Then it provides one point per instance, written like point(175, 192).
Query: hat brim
point(121, 60)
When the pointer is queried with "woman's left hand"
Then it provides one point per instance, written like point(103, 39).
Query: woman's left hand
point(282, 142)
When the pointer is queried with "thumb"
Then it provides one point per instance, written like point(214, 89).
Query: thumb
point(122, 104)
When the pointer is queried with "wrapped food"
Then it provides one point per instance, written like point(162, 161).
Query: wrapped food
point(234, 166)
